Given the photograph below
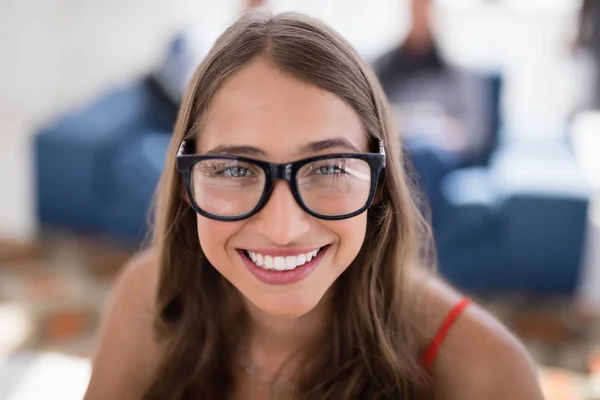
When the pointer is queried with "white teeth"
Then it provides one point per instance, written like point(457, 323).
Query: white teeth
point(269, 262)
point(280, 263)
point(301, 259)
point(290, 262)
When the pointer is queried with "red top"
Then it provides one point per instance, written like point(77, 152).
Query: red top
point(428, 356)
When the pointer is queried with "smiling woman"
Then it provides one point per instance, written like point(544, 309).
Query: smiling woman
point(289, 257)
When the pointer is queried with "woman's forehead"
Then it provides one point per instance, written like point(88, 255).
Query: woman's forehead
point(263, 107)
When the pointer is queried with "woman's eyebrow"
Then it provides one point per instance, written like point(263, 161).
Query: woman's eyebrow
point(237, 150)
point(328, 144)
point(313, 147)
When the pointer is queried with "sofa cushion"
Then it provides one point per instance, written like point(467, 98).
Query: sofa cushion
point(139, 165)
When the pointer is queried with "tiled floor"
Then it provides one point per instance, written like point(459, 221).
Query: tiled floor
point(50, 303)
point(51, 298)
point(55, 297)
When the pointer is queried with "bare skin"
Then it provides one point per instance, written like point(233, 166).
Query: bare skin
point(479, 359)
point(127, 353)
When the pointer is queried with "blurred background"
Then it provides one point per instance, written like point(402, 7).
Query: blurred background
point(496, 101)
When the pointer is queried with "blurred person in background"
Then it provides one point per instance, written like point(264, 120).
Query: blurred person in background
point(434, 101)
point(444, 113)
point(313, 288)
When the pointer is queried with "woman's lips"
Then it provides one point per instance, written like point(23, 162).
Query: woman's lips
point(278, 274)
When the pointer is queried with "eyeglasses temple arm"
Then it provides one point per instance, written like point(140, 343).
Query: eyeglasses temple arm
point(182, 148)
point(382, 152)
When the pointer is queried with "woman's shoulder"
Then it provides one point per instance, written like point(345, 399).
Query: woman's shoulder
point(127, 353)
point(477, 357)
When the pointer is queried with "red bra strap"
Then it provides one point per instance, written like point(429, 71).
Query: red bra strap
point(428, 356)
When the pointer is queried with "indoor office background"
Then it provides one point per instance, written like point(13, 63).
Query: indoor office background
point(83, 129)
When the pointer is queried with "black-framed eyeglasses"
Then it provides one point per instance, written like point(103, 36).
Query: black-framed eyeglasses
point(231, 188)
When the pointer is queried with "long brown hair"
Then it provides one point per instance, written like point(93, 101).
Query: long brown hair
point(371, 350)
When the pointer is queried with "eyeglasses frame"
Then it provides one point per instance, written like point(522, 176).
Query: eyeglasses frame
point(185, 162)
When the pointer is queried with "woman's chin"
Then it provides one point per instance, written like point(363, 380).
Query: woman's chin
point(284, 308)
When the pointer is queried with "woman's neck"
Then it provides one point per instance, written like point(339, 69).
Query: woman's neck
point(273, 340)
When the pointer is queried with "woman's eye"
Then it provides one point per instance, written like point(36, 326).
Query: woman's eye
point(236, 172)
point(329, 169)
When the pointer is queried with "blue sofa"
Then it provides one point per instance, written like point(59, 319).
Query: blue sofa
point(517, 224)
point(96, 167)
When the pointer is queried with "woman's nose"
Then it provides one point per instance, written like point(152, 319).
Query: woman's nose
point(282, 220)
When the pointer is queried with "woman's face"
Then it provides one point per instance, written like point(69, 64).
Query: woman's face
point(265, 114)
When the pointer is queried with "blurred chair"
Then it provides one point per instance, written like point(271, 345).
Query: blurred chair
point(97, 167)
point(517, 224)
